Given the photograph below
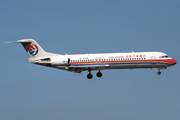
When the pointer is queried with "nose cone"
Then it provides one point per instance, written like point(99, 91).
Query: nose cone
point(173, 61)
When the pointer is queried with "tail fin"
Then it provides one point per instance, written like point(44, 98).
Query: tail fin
point(32, 48)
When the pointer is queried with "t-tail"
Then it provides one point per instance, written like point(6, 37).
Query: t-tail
point(36, 53)
point(32, 48)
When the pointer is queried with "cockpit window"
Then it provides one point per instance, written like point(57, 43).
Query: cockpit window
point(164, 56)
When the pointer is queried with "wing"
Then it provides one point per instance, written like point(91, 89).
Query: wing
point(79, 69)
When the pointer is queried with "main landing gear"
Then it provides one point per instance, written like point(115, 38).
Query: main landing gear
point(90, 76)
point(99, 74)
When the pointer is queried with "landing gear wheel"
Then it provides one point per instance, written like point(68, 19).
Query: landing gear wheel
point(99, 74)
point(89, 76)
point(158, 72)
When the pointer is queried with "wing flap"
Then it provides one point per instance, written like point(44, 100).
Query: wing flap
point(79, 69)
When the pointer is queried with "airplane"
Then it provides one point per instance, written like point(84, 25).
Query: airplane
point(89, 62)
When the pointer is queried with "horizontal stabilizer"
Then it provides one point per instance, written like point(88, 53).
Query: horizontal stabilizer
point(12, 42)
point(31, 47)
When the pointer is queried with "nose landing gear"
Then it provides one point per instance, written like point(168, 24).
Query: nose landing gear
point(159, 72)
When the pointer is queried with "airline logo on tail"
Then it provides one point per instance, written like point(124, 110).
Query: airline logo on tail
point(33, 49)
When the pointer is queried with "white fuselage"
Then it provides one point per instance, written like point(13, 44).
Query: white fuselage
point(80, 62)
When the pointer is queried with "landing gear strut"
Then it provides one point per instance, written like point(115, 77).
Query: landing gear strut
point(99, 74)
point(159, 72)
point(89, 76)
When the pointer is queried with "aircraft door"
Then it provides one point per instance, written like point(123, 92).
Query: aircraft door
point(153, 60)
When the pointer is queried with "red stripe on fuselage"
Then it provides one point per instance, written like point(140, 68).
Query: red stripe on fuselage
point(169, 61)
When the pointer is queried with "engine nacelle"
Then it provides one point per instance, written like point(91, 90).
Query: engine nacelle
point(60, 61)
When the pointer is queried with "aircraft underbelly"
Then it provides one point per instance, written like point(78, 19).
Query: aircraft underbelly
point(80, 68)
point(134, 66)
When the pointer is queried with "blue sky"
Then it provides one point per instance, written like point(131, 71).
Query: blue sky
point(34, 92)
